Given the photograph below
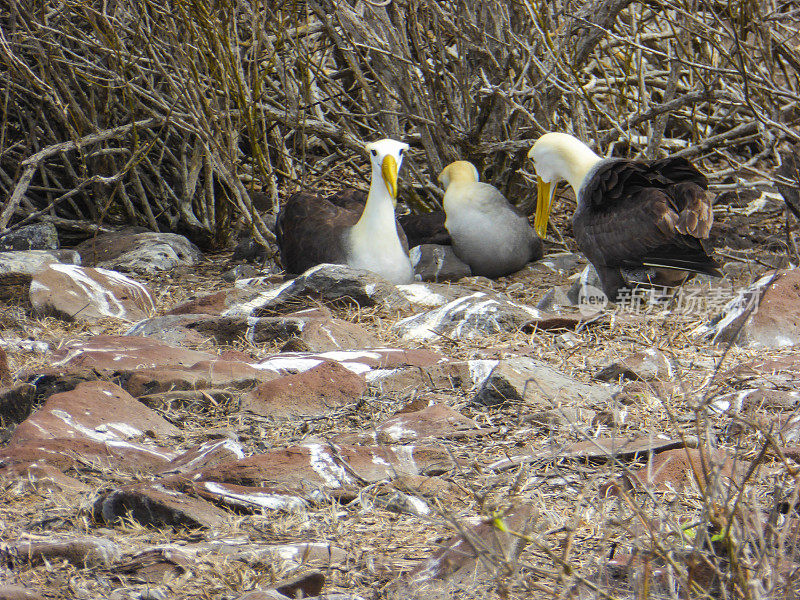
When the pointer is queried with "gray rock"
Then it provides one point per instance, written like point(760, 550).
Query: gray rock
point(477, 315)
point(39, 236)
point(574, 419)
point(433, 262)
point(532, 382)
point(585, 292)
point(139, 252)
point(241, 272)
point(582, 284)
point(555, 299)
point(19, 267)
point(182, 330)
point(431, 295)
point(647, 365)
point(565, 263)
point(325, 282)
point(250, 250)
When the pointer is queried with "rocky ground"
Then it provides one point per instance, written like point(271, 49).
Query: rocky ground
point(175, 428)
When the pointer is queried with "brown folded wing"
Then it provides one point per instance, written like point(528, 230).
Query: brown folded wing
point(312, 230)
point(636, 214)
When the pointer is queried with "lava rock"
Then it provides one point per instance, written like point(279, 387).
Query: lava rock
point(39, 236)
point(154, 506)
point(325, 282)
point(438, 263)
point(469, 317)
point(139, 252)
point(766, 314)
point(86, 294)
point(532, 382)
point(320, 391)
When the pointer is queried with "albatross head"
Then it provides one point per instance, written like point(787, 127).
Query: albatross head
point(461, 171)
point(386, 157)
point(558, 156)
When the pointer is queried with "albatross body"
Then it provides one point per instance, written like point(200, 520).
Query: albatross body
point(487, 232)
point(631, 215)
point(344, 229)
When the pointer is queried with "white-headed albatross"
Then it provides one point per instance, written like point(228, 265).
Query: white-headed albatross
point(488, 232)
point(343, 229)
point(631, 214)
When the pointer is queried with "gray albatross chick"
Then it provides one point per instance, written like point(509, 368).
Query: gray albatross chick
point(488, 232)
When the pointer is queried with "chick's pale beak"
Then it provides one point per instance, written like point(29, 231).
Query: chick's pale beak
point(544, 199)
point(389, 172)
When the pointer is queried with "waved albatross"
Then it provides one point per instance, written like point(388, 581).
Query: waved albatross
point(341, 229)
point(631, 214)
point(488, 232)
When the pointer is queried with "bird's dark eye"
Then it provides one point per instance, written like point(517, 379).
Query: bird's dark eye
point(374, 153)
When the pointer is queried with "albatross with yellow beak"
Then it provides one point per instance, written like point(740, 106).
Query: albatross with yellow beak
point(631, 214)
point(342, 229)
point(488, 232)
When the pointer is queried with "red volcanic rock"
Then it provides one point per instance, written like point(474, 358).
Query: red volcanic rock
point(677, 469)
point(155, 506)
point(434, 421)
point(154, 565)
point(776, 323)
point(108, 354)
point(765, 314)
point(88, 294)
point(319, 391)
point(606, 448)
point(213, 304)
point(96, 410)
point(68, 454)
point(323, 335)
point(203, 374)
point(251, 498)
point(36, 476)
point(306, 470)
point(206, 456)
point(96, 422)
point(83, 551)
point(358, 361)
point(459, 560)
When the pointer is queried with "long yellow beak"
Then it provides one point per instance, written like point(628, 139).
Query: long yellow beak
point(389, 172)
point(545, 191)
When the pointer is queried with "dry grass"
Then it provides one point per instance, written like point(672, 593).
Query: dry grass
point(576, 530)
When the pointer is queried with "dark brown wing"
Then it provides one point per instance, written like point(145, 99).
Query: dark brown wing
point(636, 214)
point(310, 231)
point(425, 228)
point(349, 198)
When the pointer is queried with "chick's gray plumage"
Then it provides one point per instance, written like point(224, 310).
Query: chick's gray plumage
point(488, 232)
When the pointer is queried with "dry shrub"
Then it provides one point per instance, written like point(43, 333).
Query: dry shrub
point(179, 115)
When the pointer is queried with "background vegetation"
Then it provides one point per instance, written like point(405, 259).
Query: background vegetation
point(181, 115)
